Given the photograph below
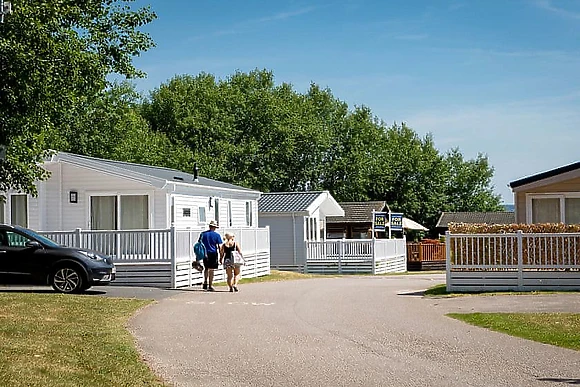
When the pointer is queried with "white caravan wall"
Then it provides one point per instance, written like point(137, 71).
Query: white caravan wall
point(63, 215)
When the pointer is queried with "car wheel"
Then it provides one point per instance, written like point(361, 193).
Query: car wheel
point(67, 279)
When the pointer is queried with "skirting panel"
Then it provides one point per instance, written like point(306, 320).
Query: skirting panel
point(135, 274)
point(476, 281)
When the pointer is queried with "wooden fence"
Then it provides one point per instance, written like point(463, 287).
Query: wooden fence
point(425, 256)
point(163, 258)
point(350, 256)
point(513, 261)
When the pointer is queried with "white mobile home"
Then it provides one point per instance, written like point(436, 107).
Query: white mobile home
point(295, 218)
point(97, 194)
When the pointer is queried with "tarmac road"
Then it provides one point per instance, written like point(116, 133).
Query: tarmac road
point(348, 331)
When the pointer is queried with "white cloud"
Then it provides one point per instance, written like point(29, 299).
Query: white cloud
point(548, 5)
point(286, 15)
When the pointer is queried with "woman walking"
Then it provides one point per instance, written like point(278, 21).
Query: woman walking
point(232, 267)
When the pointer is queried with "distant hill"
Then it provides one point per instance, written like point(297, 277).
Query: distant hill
point(509, 207)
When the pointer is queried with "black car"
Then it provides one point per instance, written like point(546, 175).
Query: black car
point(29, 258)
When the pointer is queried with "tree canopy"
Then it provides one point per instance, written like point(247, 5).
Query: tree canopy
point(55, 57)
point(248, 130)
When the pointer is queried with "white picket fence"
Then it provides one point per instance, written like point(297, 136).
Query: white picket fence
point(351, 256)
point(163, 258)
point(513, 261)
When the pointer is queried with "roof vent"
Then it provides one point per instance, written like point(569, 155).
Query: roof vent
point(195, 172)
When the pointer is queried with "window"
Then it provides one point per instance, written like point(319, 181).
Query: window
point(19, 210)
point(123, 212)
point(572, 213)
point(1, 211)
point(216, 208)
point(134, 212)
point(187, 212)
point(311, 225)
point(546, 210)
point(554, 208)
point(230, 217)
point(16, 240)
point(249, 214)
point(201, 212)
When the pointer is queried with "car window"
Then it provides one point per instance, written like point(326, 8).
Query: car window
point(16, 240)
point(3, 238)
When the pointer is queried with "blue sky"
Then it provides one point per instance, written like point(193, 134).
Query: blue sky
point(493, 76)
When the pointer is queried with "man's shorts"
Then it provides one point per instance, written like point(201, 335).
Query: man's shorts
point(211, 262)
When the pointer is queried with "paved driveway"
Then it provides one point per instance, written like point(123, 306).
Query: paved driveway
point(350, 331)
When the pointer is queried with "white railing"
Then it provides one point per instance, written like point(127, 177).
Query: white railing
point(513, 251)
point(142, 255)
point(121, 245)
point(361, 256)
point(513, 261)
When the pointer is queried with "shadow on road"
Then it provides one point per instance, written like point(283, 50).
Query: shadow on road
point(561, 380)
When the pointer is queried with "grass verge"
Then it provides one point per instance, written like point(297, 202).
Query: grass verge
point(65, 340)
point(279, 275)
point(441, 290)
point(560, 329)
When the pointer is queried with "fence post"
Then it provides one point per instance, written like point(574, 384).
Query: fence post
point(520, 247)
point(373, 250)
point(448, 260)
point(340, 253)
point(172, 255)
point(255, 252)
point(78, 241)
point(118, 245)
point(191, 257)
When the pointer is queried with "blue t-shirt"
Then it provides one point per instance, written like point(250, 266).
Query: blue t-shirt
point(211, 240)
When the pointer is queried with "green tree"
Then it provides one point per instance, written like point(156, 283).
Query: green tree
point(469, 186)
point(112, 127)
point(54, 57)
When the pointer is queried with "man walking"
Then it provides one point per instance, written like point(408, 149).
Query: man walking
point(212, 241)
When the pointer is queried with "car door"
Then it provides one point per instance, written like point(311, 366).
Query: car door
point(4, 261)
point(22, 263)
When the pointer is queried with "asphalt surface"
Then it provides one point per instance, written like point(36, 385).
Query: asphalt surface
point(348, 331)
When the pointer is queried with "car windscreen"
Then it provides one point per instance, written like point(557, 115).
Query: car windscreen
point(42, 239)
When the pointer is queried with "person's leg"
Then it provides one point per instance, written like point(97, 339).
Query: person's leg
point(205, 273)
point(237, 272)
point(210, 280)
point(230, 273)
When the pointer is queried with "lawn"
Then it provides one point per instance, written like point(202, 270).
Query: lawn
point(65, 340)
point(560, 329)
point(278, 275)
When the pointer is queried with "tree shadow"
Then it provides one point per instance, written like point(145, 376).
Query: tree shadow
point(418, 293)
point(561, 380)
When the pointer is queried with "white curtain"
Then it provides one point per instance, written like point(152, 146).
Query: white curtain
point(19, 210)
point(572, 208)
point(103, 212)
point(546, 210)
point(134, 212)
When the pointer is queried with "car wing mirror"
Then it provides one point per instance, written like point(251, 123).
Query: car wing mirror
point(33, 244)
